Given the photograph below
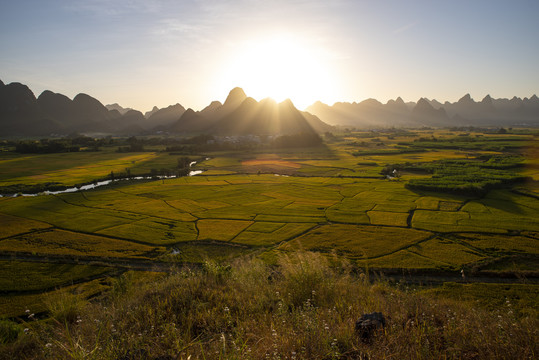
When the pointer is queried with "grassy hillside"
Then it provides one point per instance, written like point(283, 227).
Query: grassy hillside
point(304, 308)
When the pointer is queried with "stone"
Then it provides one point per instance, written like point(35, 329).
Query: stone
point(369, 324)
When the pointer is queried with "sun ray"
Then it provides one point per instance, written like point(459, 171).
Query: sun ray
point(280, 67)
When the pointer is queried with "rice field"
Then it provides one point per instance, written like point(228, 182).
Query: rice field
point(263, 210)
point(332, 202)
point(20, 276)
point(357, 241)
point(62, 242)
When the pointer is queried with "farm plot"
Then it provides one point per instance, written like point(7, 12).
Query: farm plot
point(67, 168)
point(501, 244)
point(224, 230)
point(61, 242)
point(17, 276)
point(388, 218)
point(13, 225)
point(357, 241)
point(444, 250)
point(54, 211)
point(447, 221)
point(128, 203)
point(153, 231)
point(427, 203)
point(403, 259)
point(286, 232)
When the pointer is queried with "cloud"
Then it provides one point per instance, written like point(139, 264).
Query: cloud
point(172, 27)
point(404, 28)
point(106, 8)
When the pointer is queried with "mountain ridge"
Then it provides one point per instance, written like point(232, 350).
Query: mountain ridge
point(22, 114)
point(466, 111)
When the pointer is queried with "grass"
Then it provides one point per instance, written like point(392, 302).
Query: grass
point(16, 305)
point(203, 251)
point(304, 308)
point(509, 299)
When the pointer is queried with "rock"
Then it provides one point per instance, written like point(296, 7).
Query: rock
point(369, 324)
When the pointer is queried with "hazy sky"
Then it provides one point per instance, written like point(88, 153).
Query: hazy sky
point(141, 53)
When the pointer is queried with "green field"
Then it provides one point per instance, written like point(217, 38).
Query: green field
point(334, 200)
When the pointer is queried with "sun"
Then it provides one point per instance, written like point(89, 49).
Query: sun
point(281, 67)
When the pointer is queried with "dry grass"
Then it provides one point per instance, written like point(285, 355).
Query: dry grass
point(302, 309)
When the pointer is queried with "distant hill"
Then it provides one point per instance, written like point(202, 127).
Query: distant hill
point(147, 114)
point(242, 115)
point(22, 114)
point(465, 112)
point(165, 116)
point(116, 106)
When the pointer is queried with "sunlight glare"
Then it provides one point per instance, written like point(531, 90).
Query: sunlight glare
point(280, 67)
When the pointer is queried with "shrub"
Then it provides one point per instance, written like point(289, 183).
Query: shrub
point(9, 331)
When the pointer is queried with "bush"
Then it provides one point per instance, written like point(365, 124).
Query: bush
point(9, 331)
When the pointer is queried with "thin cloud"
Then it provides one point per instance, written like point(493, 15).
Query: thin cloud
point(404, 28)
point(114, 8)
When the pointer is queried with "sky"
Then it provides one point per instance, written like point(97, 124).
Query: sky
point(145, 53)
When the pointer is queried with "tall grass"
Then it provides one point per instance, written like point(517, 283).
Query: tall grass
point(304, 308)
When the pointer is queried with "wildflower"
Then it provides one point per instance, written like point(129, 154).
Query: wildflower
point(26, 330)
point(27, 311)
point(48, 345)
point(226, 309)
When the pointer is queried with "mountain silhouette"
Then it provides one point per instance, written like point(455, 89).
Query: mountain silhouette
point(189, 122)
point(116, 106)
point(425, 114)
point(235, 98)
point(464, 112)
point(166, 116)
point(58, 107)
point(147, 114)
point(22, 114)
point(242, 115)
